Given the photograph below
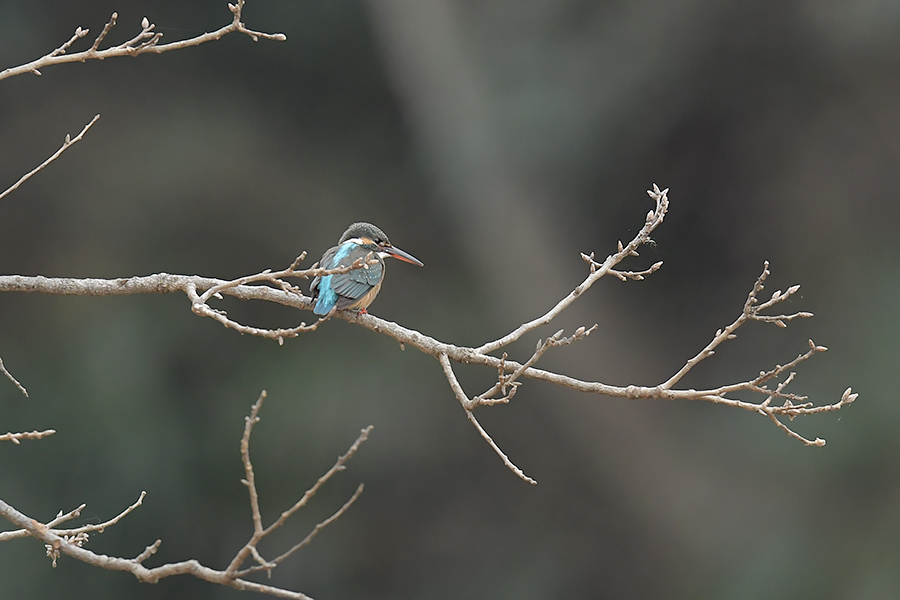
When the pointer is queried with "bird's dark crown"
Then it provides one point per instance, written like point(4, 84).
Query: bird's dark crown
point(365, 230)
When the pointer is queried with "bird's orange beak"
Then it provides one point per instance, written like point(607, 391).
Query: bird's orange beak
point(404, 256)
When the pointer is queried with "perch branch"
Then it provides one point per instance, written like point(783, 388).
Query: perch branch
point(776, 403)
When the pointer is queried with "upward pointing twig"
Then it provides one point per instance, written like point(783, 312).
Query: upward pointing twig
point(598, 270)
point(68, 142)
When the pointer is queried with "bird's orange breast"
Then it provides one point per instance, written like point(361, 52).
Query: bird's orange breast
point(367, 298)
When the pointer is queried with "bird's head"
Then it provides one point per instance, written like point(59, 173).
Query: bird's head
point(371, 237)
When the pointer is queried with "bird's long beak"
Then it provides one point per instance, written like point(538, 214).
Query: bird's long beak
point(404, 256)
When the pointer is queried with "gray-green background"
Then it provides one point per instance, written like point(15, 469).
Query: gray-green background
point(495, 141)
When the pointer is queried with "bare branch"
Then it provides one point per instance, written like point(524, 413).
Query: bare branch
point(259, 532)
point(62, 518)
point(68, 142)
point(147, 41)
point(109, 25)
point(71, 542)
point(468, 405)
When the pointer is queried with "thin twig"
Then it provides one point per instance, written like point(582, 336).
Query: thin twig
point(68, 142)
point(74, 514)
point(467, 406)
point(147, 41)
point(509, 381)
point(13, 379)
point(249, 477)
point(101, 527)
point(259, 532)
point(269, 565)
point(751, 312)
point(204, 310)
point(59, 544)
point(598, 270)
point(25, 435)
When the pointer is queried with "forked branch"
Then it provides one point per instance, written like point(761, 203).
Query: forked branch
point(752, 312)
point(260, 532)
point(71, 542)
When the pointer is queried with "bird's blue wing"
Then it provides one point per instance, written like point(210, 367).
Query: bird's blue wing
point(325, 263)
point(343, 289)
point(357, 283)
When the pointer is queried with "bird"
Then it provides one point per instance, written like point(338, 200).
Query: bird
point(355, 289)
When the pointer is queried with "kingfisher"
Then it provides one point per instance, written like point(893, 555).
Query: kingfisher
point(357, 288)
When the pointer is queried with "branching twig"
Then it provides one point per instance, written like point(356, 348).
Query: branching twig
point(654, 219)
point(147, 41)
point(99, 527)
point(751, 312)
point(71, 541)
point(468, 405)
point(508, 382)
point(269, 565)
point(259, 532)
point(200, 306)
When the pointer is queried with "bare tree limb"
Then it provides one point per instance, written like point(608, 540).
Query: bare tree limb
point(71, 542)
point(145, 42)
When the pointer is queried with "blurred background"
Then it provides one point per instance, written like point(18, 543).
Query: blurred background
point(495, 141)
